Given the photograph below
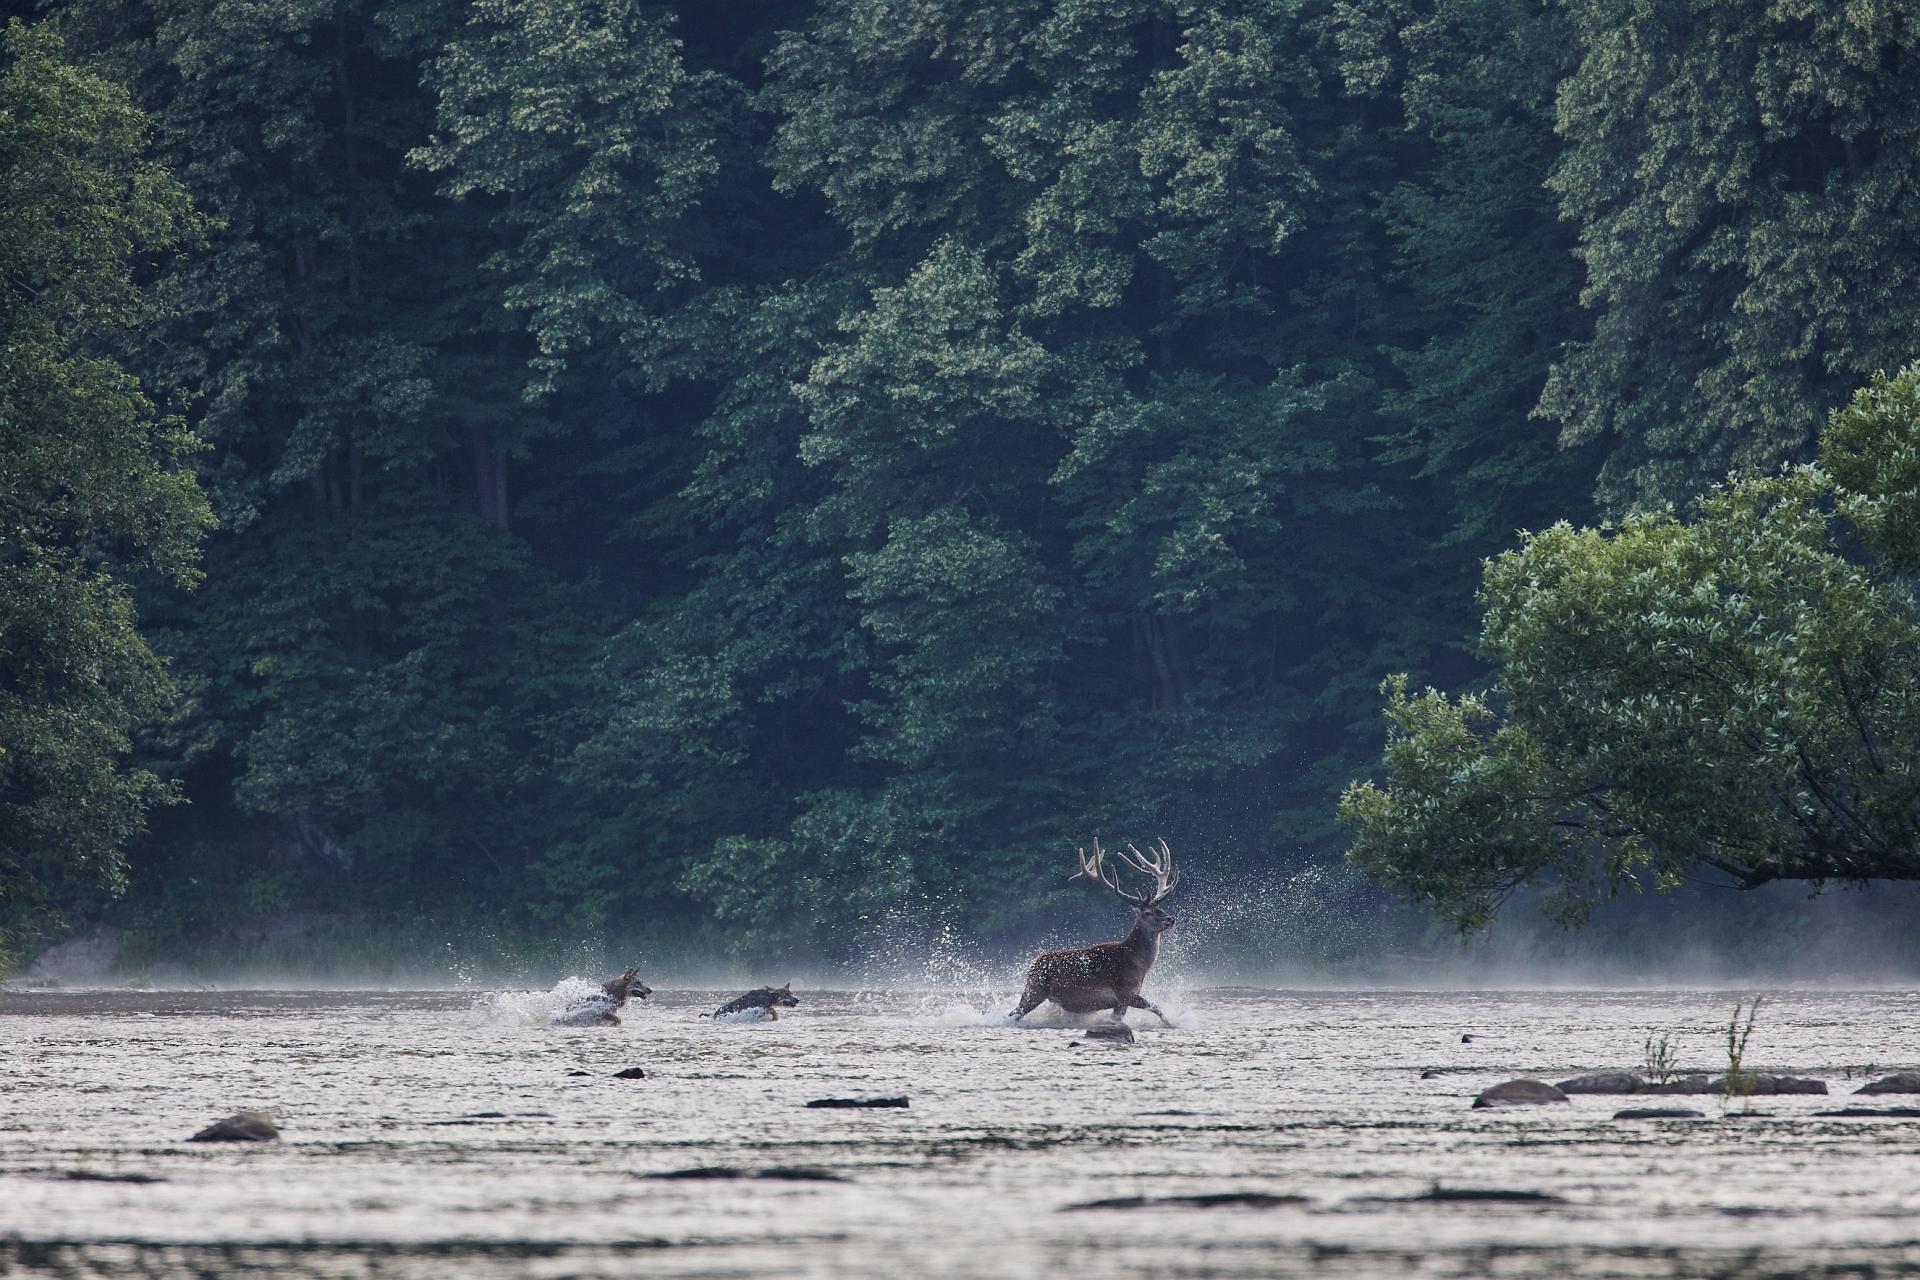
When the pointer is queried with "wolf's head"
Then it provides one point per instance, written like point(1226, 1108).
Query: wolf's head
point(626, 985)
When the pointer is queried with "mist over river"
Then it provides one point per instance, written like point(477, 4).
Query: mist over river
point(441, 1133)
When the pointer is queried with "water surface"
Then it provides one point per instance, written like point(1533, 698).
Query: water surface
point(389, 1168)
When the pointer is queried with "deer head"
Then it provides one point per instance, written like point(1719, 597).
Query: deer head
point(1156, 864)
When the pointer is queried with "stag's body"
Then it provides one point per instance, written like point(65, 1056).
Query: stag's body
point(1108, 975)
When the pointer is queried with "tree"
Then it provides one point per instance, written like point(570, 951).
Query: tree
point(1742, 178)
point(95, 482)
point(1735, 693)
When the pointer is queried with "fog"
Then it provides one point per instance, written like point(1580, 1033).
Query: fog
point(1318, 931)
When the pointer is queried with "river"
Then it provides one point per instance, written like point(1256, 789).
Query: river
point(445, 1133)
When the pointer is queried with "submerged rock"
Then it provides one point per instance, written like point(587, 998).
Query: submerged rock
point(1897, 1113)
point(1763, 1085)
point(1120, 1033)
point(1658, 1113)
point(631, 1073)
point(1466, 1195)
point(90, 1175)
point(716, 1173)
point(858, 1102)
point(1219, 1200)
point(1605, 1082)
point(241, 1126)
point(1485, 1195)
point(1901, 1082)
point(1627, 1082)
point(1520, 1093)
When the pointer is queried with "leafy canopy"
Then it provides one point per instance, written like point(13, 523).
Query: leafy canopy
point(1736, 693)
point(94, 482)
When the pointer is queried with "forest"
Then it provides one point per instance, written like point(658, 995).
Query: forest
point(733, 469)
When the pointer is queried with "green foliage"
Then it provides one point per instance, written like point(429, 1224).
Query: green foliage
point(1742, 178)
point(95, 486)
point(1740, 1082)
point(1661, 1058)
point(586, 118)
point(1734, 692)
point(723, 461)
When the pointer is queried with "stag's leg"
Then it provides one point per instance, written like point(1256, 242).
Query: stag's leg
point(1032, 998)
point(1141, 1002)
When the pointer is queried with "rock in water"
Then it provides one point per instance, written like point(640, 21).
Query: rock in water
point(1218, 1200)
point(631, 1073)
point(1520, 1093)
point(1658, 1113)
point(241, 1126)
point(1604, 1082)
point(1763, 1085)
point(858, 1102)
point(1903, 1082)
point(1119, 1033)
point(1626, 1082)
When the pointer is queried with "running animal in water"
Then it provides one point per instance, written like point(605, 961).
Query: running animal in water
point(1108, 975)
point(761, 1005)
point(597, 1010)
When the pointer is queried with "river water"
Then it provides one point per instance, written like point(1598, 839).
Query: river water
point(441, 1133)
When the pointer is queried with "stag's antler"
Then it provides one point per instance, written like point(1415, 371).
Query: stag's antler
point(1157, 865)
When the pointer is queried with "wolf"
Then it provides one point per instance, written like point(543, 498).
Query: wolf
point(764, 1003)
point(597, 1010)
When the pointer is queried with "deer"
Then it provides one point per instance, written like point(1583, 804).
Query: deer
point(1108, 975)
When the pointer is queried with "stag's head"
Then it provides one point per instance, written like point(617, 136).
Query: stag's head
point(1156, 864)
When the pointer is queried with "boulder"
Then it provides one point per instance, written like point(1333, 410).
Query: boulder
point(631, 1073)
point(1627, 1082)
point(1764, 1085)
point(1604, 1082)
point(241, 1126)
point(1685, 1086)
point(1520, 1093)
point(1903, 1082)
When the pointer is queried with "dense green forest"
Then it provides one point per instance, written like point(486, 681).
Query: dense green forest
point(740, 467)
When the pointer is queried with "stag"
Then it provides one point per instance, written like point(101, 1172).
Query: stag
point(1108, 975)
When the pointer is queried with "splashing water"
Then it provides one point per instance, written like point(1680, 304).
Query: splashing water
point(532, 1008)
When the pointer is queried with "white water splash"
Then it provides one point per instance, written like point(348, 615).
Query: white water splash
point(532, 1008)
